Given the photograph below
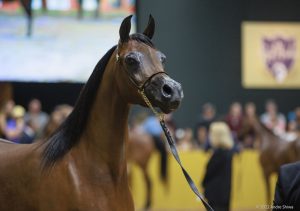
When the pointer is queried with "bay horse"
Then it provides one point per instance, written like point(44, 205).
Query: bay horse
point(27, 7)
point(274, 151)
point(140, 146)
point(82, 166)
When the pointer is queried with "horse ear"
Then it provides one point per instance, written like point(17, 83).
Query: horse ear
point(125, 29)
point(149, 31)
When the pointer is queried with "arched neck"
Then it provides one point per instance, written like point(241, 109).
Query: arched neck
point(104, 139)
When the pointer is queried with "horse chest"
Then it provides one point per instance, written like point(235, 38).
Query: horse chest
point(82, 198)
point(85, 192)
point(100, 200)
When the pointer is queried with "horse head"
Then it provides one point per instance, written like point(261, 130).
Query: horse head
point(251, 125)
point(141, 68)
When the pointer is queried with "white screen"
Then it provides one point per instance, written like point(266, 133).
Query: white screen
point(62, 48)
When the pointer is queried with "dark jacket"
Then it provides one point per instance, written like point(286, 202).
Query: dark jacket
point(217, 179)
point(287, 191)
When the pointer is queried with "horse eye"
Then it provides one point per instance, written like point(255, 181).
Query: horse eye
point(163, 59)
point(131, 61)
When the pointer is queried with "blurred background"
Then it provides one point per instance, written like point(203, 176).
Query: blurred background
point(238, 63)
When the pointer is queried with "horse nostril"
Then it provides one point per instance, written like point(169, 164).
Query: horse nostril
point(167, 90)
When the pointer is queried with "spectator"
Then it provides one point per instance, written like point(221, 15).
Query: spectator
point(250, 110)
point(272, 119)
point(297, 117)
point(287, 192)
point(35, 117)
point(234, 118)
point(5, 115)
point(292, 131)
point(248, 141)
point(15, 129)
point(208, 115)
point(217, 179)
point(185, 139)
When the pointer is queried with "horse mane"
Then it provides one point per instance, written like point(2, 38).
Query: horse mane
point(68, 134)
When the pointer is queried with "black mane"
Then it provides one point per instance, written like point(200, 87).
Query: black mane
point(69, 132)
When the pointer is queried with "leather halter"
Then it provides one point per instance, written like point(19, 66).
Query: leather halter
point(167, 133)
point(141, 86)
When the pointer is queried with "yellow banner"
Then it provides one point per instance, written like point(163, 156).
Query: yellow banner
point(270, 55)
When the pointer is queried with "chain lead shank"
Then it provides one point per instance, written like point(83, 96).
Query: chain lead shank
point(172, 146)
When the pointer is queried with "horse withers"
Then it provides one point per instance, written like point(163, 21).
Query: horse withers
point(82, 166)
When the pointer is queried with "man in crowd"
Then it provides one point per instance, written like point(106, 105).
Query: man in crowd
point(208, 115)
point(287, 193)
point(35, 117)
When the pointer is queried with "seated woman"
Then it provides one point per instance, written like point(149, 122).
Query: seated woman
point(185, 139)
point(217, 179)
point(15, 129)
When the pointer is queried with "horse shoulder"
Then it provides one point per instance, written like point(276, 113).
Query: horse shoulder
point(18, 176)
point(69, 186)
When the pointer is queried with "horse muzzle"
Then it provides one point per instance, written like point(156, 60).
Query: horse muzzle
point(164, 93)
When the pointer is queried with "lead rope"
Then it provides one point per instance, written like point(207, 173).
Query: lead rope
point(172, 146)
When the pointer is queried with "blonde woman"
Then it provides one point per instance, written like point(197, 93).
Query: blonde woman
point(217, 179)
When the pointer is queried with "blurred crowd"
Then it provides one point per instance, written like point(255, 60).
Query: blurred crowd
point(287, 127)
point(22, 125)
point(25, 126)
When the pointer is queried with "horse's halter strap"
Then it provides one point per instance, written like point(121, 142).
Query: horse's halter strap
point(141, 88)
point(136, 84)
point(167, 133)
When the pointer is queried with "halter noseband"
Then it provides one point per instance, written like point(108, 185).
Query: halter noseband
point(141, 89)
point(142, 86)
